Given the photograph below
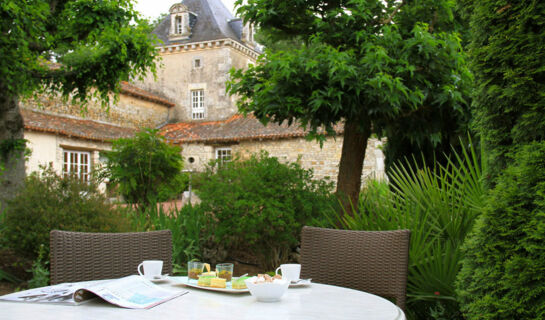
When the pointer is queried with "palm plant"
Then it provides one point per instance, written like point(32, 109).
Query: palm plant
point(439, 205)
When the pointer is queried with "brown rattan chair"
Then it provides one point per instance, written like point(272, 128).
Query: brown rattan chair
point(82, 256)
point(371, 261)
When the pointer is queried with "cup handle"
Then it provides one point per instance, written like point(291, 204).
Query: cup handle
point(138, 268)
point(276, 271)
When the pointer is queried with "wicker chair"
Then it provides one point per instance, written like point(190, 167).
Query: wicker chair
point(82, 256)
point(371, 261)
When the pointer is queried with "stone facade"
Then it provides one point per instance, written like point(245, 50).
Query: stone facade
point(324, 161)
point(128, 111)
point(206, 67)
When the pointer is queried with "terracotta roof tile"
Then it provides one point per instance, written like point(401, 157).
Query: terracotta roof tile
point(236, 128)
point(72, 127)
point(133, 90)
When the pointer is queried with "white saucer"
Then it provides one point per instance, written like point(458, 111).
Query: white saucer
point(159, 279)
point(301, 283)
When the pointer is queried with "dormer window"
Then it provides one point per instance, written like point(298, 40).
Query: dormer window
point(248, 35)
point(180, 17)
point(179, 26)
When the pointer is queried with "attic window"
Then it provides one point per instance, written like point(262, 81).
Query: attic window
point(248, 31)
point(179, 22)
point(179, 25)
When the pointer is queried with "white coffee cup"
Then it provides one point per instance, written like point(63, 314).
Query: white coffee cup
point(152, 268)
point(290, 271)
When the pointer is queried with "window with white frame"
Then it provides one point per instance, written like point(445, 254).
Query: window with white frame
point(223, 155)
point(197, 104)
point(77, 163)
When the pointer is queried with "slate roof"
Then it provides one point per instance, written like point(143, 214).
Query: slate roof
point(235, 129)
point(132, 90)
point(73, 127)
point(214, 21)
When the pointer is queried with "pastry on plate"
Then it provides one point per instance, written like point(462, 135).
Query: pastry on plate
point(204, 281)
point(238, 283)
point(218, 283)
point(208, 272)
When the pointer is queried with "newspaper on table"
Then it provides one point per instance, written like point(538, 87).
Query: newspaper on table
point(133, 292)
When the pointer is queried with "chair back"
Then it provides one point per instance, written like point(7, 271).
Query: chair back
point(82, 256)
point(371, 261)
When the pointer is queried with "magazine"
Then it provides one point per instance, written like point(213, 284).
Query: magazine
point(132, 292)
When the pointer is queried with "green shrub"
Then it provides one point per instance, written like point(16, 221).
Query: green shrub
point(146, 168)
point(507, 59)
point(40, 270)
point(261, 205)
point(439, 206)
point(503, 274)
point(49, 201)
point(173, 188)
point(187, 225)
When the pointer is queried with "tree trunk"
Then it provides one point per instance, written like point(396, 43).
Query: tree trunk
point(351, 165)
point(11, 128)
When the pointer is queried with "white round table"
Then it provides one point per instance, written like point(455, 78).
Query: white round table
point(317, 301)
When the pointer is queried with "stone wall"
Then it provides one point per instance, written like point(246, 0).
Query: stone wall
point(178, 74)
point(127, 112)
point(324, 161)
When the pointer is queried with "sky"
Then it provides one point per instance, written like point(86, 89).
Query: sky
point(153, 8)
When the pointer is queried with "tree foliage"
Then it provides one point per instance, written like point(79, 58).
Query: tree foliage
point(509, 65)
point(429, 133)
point(261, 204)
point(502, 275)
point(79, 48)
point(143, 167)
point(71, 46)
point(504, 271)
point(362, 62)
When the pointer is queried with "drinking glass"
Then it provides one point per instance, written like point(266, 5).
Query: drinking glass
point(225, 271)
point(194, 270)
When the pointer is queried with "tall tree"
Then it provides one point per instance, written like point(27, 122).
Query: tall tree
point(362, 62)
point(78, 48)
point(503, 272)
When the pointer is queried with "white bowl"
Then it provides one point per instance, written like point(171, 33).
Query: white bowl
point(269, 291)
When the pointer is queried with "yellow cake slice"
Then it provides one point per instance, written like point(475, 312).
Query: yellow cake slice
point(204, 281)
point(218, 283)
point(239, 283)
point(209, 274)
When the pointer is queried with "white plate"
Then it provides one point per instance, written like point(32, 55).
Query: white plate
point(183, 281)
point(301, 283)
